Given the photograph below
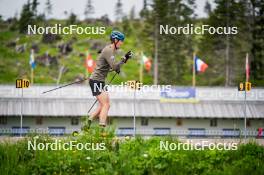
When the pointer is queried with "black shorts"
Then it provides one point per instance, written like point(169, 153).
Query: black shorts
point(96, 86)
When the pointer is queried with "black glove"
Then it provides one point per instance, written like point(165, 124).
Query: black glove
point(128, 55)
point(118, 67)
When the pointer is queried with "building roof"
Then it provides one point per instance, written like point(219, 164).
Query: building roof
point(210, 102)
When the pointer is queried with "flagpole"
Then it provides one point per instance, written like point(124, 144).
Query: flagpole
point(156, 67)
point(134, 110)
point(21, 111)
point(86, 71)
point(32, 69)
point(194, 76)
point(247, 67)
point(141, 68)
point(245, 100)
point(32, 75)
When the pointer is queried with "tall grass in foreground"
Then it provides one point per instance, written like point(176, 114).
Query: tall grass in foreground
point(126, 156)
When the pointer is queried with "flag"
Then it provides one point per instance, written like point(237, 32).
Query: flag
point(147, 62)
point(247, 69)
point(200, 66)
point(32, 60)
point(89, 63)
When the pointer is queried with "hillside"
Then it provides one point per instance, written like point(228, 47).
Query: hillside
point(14, 63)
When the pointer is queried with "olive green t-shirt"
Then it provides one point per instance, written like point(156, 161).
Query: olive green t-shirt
point(104, 62)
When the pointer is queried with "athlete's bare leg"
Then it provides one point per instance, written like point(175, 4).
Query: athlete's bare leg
point(103, 99)
point(96, 113)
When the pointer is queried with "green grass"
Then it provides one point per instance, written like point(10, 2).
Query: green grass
point(127, 156)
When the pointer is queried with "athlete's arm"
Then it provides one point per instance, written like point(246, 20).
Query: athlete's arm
point(113, 64)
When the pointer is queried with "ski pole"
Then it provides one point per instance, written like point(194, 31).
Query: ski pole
point(66, 85)
point(83, 79)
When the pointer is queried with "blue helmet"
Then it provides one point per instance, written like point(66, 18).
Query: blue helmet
point(117, 35)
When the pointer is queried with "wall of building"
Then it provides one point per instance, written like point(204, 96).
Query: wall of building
point(187, 123)
point(177, 124)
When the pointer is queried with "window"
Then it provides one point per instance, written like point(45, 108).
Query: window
point(179, 122)
point(39, 120)
point(248, 123)
point(161, 131)
point(125, 131)
point(74, 121)
point(56, 131)
point(144, 121)
point(213, 122)
point(3, 120)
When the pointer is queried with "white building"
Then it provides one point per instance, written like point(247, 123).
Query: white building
point(213, 112)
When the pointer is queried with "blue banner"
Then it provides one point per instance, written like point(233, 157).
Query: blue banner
point(179, 94)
